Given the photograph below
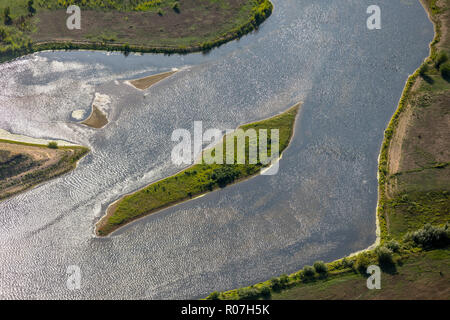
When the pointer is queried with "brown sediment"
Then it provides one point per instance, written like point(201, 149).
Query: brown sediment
point(37, 164)
point(147, 82)
point(97, 119)
point(420, 139)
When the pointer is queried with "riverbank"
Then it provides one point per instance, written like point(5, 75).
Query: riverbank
point(25, 165)
point(165, 26)
point(198, 179)
point(414, 191)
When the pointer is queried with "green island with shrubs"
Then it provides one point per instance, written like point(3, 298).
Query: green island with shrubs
point(413, 212)
point(157, 26)
point(205, 176)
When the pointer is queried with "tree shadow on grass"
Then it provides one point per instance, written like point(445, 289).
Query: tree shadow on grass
point(389, 268)
point(427, 78)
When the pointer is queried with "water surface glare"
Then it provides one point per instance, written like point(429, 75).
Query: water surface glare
point(320, 206)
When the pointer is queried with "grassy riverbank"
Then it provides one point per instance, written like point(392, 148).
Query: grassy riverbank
point(414, 200)
point(161, 26)
point(23, 165)
point(200, 178)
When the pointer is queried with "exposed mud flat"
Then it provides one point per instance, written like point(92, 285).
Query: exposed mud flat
point(147, 82)
point(97, 119)
point(5, 135)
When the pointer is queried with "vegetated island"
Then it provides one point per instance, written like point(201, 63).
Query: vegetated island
point(24, 165)
point(158, 26)
point(200, 178)
point(414, 200)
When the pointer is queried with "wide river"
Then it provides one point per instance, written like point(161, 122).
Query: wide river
point(320, 206)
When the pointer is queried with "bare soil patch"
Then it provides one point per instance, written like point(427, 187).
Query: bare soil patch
point(97, 119)
point(39, 164)
point(147, 82)
point(198, 21)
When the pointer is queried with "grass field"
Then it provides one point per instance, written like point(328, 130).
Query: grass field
point(166, 26)
point(200, 178)
point(424, 275)
point(414, 202)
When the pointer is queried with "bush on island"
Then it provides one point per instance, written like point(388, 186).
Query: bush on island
point(308, 272)
point(320, 267)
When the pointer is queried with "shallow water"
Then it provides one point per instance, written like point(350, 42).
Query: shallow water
point(321, 205)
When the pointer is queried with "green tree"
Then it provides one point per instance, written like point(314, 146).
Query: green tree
point(362, 262)
point(423, 69)
point(213, 296)
point(384, 255)
point(176, 7)
point(445, 71)
point(440, 59)
point(320, 267)
point(308, 272)
point(31, 9)
point(52, 145)
point(6, 16)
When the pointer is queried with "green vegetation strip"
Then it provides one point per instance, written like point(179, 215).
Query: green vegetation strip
point(199, 178)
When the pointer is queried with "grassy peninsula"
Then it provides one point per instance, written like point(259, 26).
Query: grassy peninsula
point(199, 178)
point(414, 199)
point(24, 165)
point(159, 26)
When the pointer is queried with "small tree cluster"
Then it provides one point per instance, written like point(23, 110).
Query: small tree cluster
point(362, 262)
point(384, 255)
point(176, 7)
point(31, 9)
point(440, 59)
point(393, 245)
point(52, 145)
point(320, 267)
point(308, 272)
point(7, 16)
point(445, 70)
point(429, 236)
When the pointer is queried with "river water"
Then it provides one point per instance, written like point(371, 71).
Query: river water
point(320, 206)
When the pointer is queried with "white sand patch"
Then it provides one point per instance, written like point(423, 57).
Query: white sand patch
point(101, 101)
point(5, 135)
point(78, 114)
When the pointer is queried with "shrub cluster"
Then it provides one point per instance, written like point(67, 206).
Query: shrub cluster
point(362, 262)
point(52, 145)
point(440, 59)
point(308, 272)
point(225, 174)
point(445, 70)
point(384, 255)
point(429, 236)
point(320, 267)
point(393, 245)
